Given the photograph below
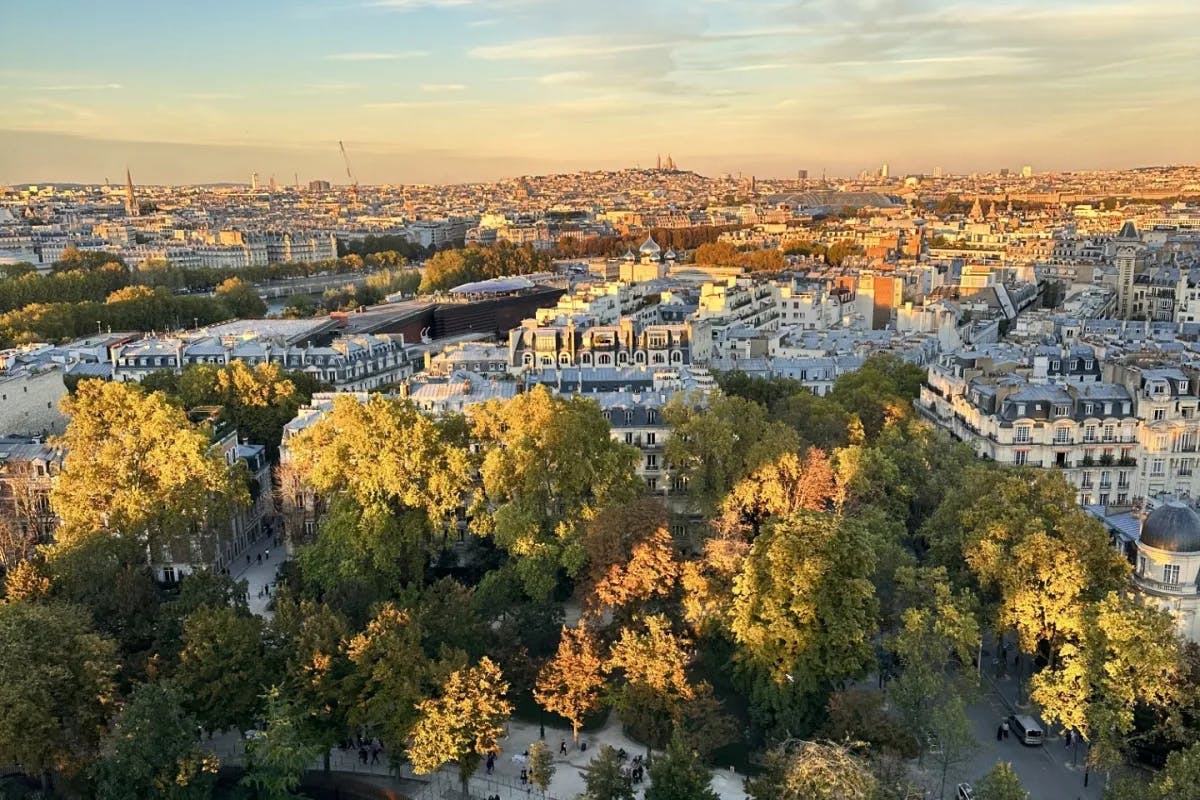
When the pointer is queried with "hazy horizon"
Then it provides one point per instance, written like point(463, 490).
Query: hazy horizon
point(452, 91)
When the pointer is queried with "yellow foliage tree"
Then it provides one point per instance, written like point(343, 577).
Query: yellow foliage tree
point(570, 683)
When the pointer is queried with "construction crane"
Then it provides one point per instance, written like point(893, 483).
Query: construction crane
point(349, 174)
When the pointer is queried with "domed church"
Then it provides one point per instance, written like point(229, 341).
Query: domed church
point(1168, 563)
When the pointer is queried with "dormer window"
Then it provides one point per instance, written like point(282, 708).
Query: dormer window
point(1088, 364)
point(1089, 408)
point(1074, 364)
point(1183, 387)
point(1062, 411)
point(1020, 409)
point(1055, 365)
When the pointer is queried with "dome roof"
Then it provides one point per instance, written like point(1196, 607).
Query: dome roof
point(629, 256)
point(649, 246)
point(1173, 527)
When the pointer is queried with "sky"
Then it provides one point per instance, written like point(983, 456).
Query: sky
point(456, 90)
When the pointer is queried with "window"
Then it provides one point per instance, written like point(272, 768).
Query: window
point(1089, 433)
point(1108, 433)
point(652, 461)
point(1160, 442)
point(1141, 565)
point(168, 574)
point(1020, 457)
point(1089, 408)
point(1020, 409)
point(1062, 411)
point(629, 437)
point(1183, 387)
point(1062, 435)
point(1156, 467)
point(1122, 499)
point(1022, 433)
point(1160, 414)
point(650, 437)
point(1056, 365)
point(652, 484)
point(1088, 364)
point(1171, 574)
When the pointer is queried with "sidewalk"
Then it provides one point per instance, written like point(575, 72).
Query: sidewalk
point(258, 567)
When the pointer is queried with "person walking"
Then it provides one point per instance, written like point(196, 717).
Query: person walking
point(1004, 727)
point(562, 748)
point(999, 732)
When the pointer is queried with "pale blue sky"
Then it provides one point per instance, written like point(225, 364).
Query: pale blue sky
point(449, 90)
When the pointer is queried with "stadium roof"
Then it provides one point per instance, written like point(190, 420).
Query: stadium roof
point(493, 286)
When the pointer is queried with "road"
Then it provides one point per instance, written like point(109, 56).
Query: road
point(1047, 771)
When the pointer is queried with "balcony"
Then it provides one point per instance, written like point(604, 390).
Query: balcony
point(1160, 587)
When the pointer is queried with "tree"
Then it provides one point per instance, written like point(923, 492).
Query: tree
point(241, 298)
point(803, 614)
point(812, 771)
point(715, 444)
point(1001, 783)
point(858, 715)
point(880, 392)
point(136, 467)
point(784, 486)
point(571, 682)
point(390, 671)
point(949, 738)
point(463, 724)
point(549, 465)
point(541, 766)
point(650, 572)
point(679, 774)
point(937, 624)
point(652, 656)
point(223, 669)
point(58, 687)
point(153, 751)
point(278, 757)
point(605, 778)
point(386, 452)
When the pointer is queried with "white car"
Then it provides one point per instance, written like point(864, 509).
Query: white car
point(965, 792)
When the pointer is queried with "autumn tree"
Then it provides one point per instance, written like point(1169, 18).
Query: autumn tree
point(679, 774)
point(800, 770)
point(649, 654)
point(58, 688)
point(549, 465)
point(135, 466)
point(880, 392)
point(613, 533)
point(570, 683)
point(463, 723)
point(389, 674)
point(650, 572)
point(153, 751)
point(787, 485)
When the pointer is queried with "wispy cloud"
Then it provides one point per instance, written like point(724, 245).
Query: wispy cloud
point(326, 86)
point(212, 96)
point(78, 87)
point(559, 78)
point(401, 55)
point(438, 88)
point(399, 105)
point(561, 47)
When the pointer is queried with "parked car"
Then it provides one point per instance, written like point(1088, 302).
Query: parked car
point(1027, 730)
point(965, 792)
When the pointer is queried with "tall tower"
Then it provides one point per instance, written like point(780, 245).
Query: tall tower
point(254, 181)
point(883, 171)
point(131, 206)
point(658, 161)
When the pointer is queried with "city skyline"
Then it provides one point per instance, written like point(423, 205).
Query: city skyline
point(458, 90)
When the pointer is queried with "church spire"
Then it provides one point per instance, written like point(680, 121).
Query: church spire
point(131, 208)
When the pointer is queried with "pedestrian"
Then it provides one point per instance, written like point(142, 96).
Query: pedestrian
point(562, 748)
point(362, 754)
point(999, 732)
point(268, 555)
point(524, 776)
point(259, 557)
point(491, 763)
point(374, 754)
point(247, 559)
point(1004, 727)
point(1068, 738)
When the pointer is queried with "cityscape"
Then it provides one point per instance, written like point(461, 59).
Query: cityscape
point(489, 400)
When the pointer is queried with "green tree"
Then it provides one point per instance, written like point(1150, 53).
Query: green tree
point(679, 774)
point(153, 751)
point(949, 739)
point(278, 757)
point(880, 393)
point(371, 547)
point(605, 778)
point(57, 690)
point(223, 668)
point(241, 298)
point(541, 766)
point(715, 444)
point(549, 465)
point(136, 467)
point(463, 724)
point(803, 615)
point(1000, 783)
